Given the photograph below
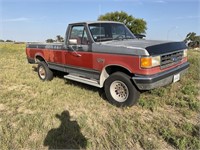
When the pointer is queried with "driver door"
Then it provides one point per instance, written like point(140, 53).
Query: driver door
point(78, 58)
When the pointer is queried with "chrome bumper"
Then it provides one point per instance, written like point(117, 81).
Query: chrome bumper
point(157, 80)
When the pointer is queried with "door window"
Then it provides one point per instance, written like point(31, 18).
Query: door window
point(79, 33)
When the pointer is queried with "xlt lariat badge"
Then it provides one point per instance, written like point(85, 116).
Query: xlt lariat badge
point(100, 60)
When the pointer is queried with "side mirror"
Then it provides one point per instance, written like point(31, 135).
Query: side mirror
point(73, 42)
point(140, 36)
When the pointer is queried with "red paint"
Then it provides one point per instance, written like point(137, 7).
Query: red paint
point(83, 61)
point(88, 60)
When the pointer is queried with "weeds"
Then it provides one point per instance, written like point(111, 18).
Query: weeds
point(150, 104)
point(164, 118)
point(180, 141)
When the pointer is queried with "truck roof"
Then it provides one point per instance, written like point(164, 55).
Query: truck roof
point(91, 22)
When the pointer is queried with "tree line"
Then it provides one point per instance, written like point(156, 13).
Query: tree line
point(58, 39)
point(6, 40)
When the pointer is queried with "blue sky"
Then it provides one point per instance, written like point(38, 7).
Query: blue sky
point(38, 20)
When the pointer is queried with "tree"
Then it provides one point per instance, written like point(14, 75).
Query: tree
point(9, 41)
point(137, 26)
point(192, 37)
point(1, 40)
point(59, 38)
point(192, 40)
point(49, 40)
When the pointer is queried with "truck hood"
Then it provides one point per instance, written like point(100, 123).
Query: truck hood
point(152, 46)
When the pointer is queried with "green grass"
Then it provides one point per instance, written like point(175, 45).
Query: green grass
point(66, 114)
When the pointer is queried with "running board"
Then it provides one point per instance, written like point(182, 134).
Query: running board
point(83, 80)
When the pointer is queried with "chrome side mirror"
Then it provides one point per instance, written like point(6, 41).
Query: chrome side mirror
point(73, 42)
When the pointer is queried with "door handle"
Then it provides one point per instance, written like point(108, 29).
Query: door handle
point(78, 55)
point(79, 46)
point(74, 53)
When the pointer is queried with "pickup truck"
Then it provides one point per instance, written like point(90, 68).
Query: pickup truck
point(107, 55)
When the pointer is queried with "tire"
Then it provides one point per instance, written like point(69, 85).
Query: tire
point(120, 91)
point(44, 73)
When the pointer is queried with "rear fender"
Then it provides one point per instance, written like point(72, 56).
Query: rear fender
point(39, 57)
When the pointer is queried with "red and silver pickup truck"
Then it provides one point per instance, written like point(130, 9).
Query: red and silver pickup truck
point(107, 55)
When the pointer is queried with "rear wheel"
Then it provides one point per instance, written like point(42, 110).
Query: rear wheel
point(44, 72)
point(120, 91)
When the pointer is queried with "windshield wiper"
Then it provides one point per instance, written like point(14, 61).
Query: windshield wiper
point(103, 39)
point(120, 37)
point(129, 38)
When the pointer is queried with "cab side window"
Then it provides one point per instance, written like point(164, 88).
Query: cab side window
point(79, 33)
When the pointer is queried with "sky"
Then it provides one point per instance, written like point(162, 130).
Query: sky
point(38, 20)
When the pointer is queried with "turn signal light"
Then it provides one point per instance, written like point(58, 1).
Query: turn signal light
point(146, 62)
point(149, 62)
point(185, 53)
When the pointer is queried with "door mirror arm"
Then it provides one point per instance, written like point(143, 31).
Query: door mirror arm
point(75, 52)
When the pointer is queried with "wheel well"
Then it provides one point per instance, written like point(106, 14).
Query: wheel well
point(112, 69)
point(106, 72)
point(39, 59)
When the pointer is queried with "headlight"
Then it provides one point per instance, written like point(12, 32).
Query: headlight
point(185, 53)
point(149, 62)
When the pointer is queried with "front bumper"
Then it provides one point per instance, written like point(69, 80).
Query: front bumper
point(157, 80)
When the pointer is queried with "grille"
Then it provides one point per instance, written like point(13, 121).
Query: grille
point(171, 59)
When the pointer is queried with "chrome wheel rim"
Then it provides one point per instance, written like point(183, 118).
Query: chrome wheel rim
point(119, 91)
point(42, 72)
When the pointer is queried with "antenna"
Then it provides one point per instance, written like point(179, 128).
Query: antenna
point(100, 23)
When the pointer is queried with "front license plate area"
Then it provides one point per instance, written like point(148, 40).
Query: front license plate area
point(176, 77)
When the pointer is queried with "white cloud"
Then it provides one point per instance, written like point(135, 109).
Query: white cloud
point(20, 19)
point(160, 1)
point(176, 18)
point(186, 17)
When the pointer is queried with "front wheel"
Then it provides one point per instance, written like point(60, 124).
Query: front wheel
point(120, 91)
point(44, 73)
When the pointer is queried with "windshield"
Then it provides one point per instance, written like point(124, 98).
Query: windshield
point(109, 31)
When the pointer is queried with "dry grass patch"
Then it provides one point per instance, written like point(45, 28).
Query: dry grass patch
point(63, 113)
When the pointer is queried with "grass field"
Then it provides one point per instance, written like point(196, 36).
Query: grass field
point(65, 114)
